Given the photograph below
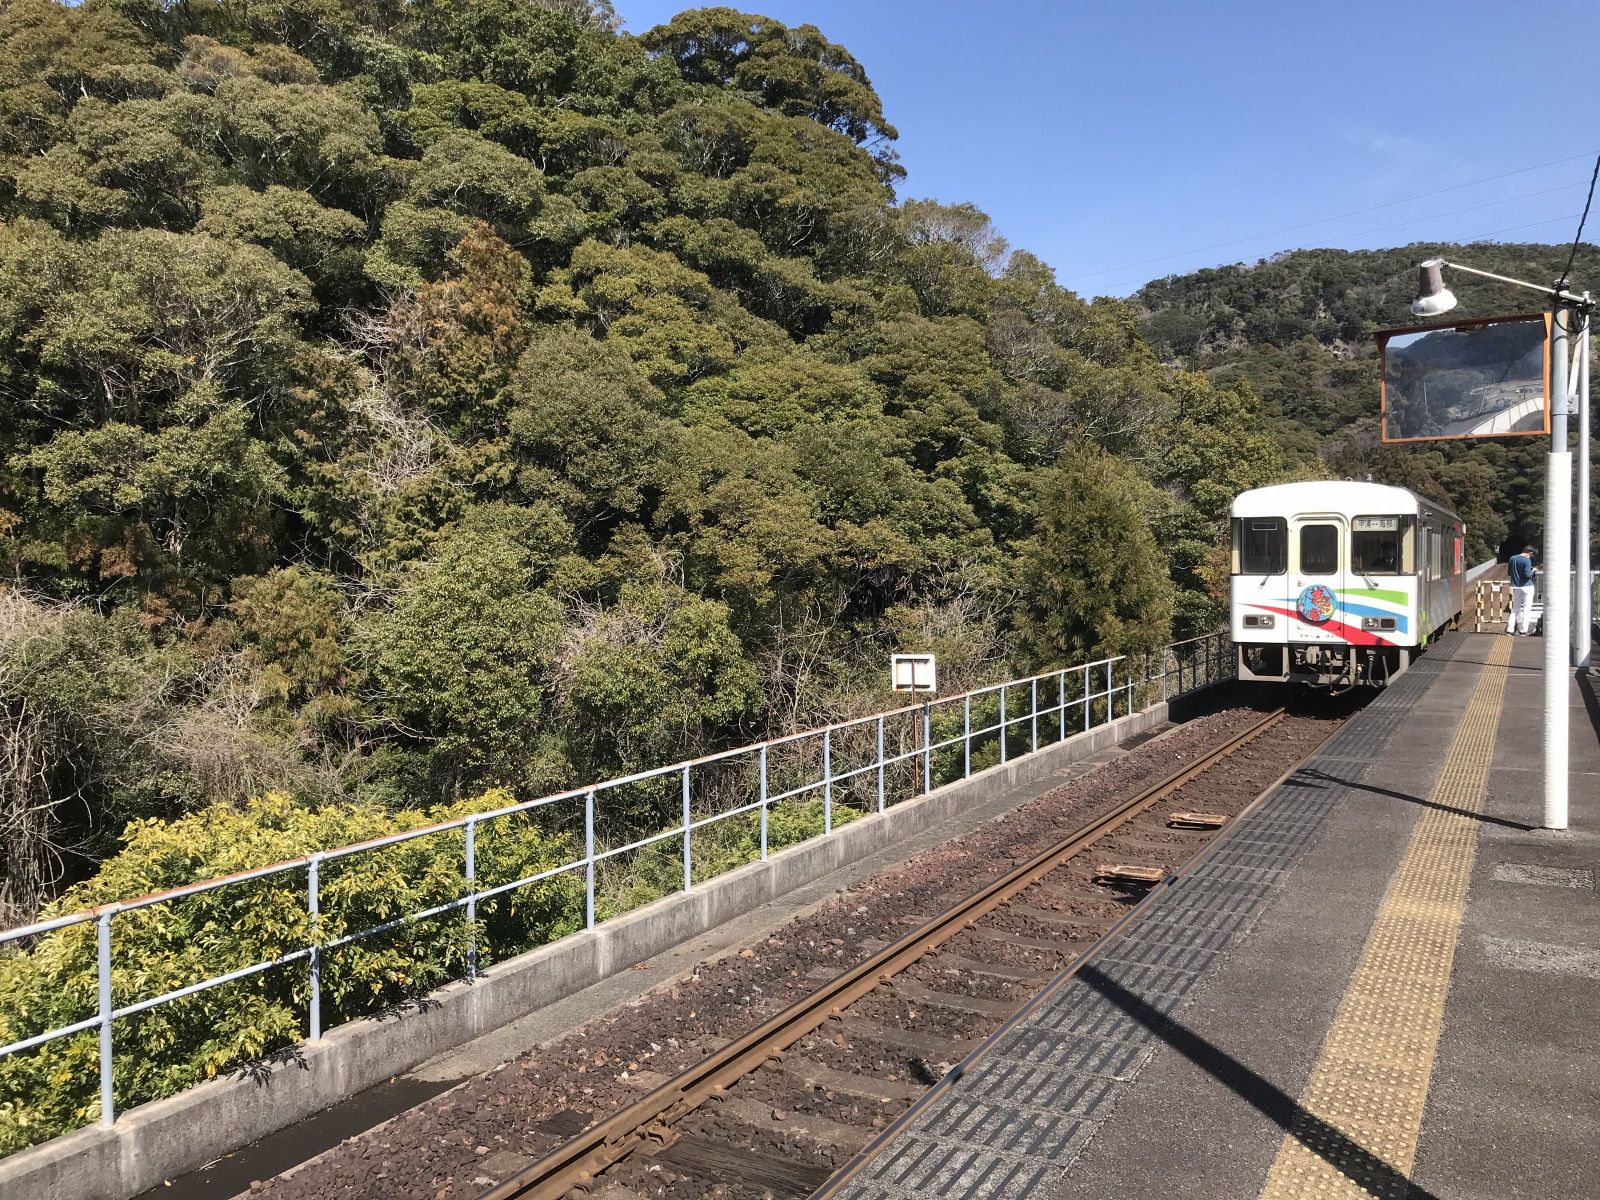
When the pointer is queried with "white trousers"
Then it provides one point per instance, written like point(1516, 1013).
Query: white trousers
point(1521, 609)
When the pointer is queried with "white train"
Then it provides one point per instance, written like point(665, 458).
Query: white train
point(1341, 584)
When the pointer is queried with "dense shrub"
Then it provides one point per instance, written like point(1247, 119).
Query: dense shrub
point(170, 945)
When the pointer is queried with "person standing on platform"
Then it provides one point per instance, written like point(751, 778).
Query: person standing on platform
point(1521, 569)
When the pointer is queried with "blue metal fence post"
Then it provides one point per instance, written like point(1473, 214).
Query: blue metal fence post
point(588, 858)
point(763, 802)
point(108, 1107)
point(1002, 724)
point(688, 854)
point(472, 900)
point(927, 746)
point(827, 780)
point(314, 907)
point(966, 735)
point(880, 764)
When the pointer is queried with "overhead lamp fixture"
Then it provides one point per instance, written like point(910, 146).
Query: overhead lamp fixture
point(1433, 298)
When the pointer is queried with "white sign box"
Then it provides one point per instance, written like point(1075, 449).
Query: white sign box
point(913, 673)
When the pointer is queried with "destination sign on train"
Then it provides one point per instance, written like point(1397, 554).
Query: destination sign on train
point(1470, 379)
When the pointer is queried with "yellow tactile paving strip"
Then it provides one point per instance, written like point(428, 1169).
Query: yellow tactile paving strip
point(1355, 1133)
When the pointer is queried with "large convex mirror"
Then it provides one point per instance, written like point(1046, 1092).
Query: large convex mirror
point(1466, 380)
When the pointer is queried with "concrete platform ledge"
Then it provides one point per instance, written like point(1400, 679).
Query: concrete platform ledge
point(170, 1137)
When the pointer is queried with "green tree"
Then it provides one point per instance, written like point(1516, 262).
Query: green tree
point(794, 70)
point(655, 677)
point(1094, 581)
point(588, 432)
point(464, 656)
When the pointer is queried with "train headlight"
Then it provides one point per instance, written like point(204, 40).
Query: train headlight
point(1377, 623)
point(1260, 621)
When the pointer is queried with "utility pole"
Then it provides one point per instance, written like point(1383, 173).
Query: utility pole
point(1557, 575)
point(1583, 593)
point(1564, 646)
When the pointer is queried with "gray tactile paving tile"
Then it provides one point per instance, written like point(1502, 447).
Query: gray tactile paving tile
point(1033, 1088)
point(1175, 921)
point(1013, 1129)
point(1179, 955)
point(1150, 983)
point(1079, 1054)
point(1154, 933)
point(1085, 1018)
point(916, 1167)
point(1025, 1111)
point(1249, 868)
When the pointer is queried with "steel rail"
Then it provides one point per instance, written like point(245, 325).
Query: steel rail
point(836, 1183)
point(647, 1121)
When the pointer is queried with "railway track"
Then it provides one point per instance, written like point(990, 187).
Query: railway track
point(777, 1112)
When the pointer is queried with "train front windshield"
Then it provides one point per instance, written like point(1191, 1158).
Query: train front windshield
point(1260, 545)
point(1377, 545)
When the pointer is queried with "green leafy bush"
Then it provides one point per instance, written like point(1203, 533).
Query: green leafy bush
point(170, 945)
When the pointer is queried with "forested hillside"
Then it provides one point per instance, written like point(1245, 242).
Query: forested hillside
point(400, 400)
point(1298, 328)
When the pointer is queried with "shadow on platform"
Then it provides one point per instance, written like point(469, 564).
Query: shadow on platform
point(1353, 1161)
point(1591, 700)
point(1306, 776)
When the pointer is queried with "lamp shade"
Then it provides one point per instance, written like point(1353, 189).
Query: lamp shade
point(1433, 298)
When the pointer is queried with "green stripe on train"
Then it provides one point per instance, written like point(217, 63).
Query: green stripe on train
point(1389, 594)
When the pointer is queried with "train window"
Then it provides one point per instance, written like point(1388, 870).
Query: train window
point(1260, 544)
point(1319, 549)
point(1375, 545)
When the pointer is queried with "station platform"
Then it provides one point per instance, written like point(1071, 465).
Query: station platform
point(1382, 981)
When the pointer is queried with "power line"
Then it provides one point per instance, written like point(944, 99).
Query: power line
point(1483, 237)
point(1456, 212)
point(1582, 221)
point(1323, 220)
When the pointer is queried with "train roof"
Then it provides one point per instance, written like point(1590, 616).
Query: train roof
point(1333, 496)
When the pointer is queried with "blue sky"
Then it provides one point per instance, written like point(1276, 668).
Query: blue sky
point(1103, 135)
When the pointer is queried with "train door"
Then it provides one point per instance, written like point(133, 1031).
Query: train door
point(1317, 553)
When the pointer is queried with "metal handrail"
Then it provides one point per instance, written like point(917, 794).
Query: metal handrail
point(1193, 663)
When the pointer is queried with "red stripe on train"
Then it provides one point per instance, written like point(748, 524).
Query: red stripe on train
point(1350, 633)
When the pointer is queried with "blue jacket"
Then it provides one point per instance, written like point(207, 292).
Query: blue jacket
point(1521, 570)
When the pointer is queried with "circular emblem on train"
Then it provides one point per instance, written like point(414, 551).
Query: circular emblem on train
point(1316, 604)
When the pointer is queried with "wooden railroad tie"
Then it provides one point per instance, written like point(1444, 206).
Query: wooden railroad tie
point(1196, 820)
point(1124, 873)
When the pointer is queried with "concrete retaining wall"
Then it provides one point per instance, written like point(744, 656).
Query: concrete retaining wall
point(173, 1136)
